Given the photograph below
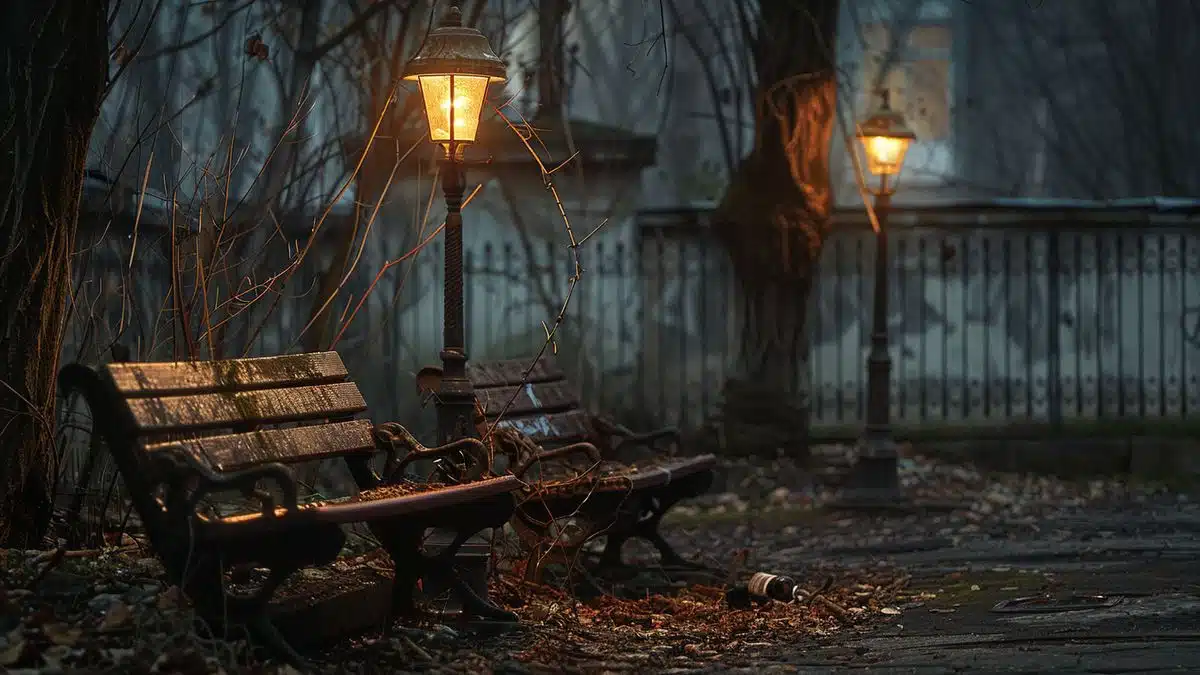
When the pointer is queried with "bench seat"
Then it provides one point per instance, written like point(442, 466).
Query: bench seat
point(381, 502)
point(192, 439)
point(533, 417)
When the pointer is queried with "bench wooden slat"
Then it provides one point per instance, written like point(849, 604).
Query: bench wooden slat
point(543, 397)
point(182, 414)
point(201, 377)
point(511, 372)
point(232, 452)
point(551, 429)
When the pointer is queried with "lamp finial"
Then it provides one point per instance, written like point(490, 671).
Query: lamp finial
point(453, 17)
point(885, 102)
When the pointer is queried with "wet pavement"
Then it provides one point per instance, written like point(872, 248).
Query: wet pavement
point(1096, 589)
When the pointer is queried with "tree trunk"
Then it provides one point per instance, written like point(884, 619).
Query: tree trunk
point(55, 61)
point(774, 215)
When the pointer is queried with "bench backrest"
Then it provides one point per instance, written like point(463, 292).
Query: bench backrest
point(540, 404)
point(227, 413)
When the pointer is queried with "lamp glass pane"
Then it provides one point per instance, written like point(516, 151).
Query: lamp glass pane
point(467, 92)
point(885, 155)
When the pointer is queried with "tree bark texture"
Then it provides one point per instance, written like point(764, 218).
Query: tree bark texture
point(55, 67)
point(775, 212)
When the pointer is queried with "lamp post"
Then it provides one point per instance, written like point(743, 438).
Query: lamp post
point(453, 69)
point(885, 138)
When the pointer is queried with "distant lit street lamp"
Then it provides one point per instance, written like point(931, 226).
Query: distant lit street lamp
point(453, 69)
point(885, 138)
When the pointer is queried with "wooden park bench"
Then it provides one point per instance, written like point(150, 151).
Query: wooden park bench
point(582, 490)
point(183, 434)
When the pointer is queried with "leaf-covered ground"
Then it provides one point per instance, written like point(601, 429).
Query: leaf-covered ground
point(109, 611)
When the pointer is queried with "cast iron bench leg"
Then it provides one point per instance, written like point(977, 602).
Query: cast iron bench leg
point(404, 578)
point(204, 582)
point(442, 567)
point(473, 604)
point(646, 528)
point(265, 632)
point(403, 546)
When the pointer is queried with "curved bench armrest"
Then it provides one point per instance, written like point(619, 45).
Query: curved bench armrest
point(625, 437)
point(180, 464)
point(587, 449)
point(391, 436)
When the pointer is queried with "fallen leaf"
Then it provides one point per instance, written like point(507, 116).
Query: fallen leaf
point(62, 634)
point(54, 656)
point(118, 617)
point(889, 611)
point(170, 598)
point(13, 652)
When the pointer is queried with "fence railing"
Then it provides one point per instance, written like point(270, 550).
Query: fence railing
point(998, 316)
point(1028, 314)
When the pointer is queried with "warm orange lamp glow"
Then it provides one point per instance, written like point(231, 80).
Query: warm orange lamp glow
point(885, 137)
point(459, 122)
point(453, 69)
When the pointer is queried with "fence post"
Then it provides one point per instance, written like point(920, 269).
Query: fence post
point(1053, 316)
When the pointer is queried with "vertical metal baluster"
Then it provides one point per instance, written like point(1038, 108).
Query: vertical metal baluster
point(620, 265)
point(599, 276)
point(730, 310)
point(965, 385)
point(985, 271)
point(897, 342)
point(945, 284)
point(1077, 325)
point(1053, 314)
point(1098, 295)
point(536, 270)
point(492, 280)
point(508, 273)
point(1008, 330)
point(838, 290)
point(1120, 269)
point(573, 319)
point(1184, 379)
point(705, 299)
point(1141, 314)
point(1029, 291)
point(637, 262)
point(922, 270)
point(816, 368)
point(684, 246)
point(663, 309)
point(1162, 324)
point(859, 354)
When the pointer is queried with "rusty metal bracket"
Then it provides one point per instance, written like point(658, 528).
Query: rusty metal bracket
point(1044, 604)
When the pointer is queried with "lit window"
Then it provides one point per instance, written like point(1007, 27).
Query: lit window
point(917, 75)
point(912, 61)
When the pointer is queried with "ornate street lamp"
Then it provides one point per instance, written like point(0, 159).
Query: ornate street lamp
point(885, 138)
point(453, 69)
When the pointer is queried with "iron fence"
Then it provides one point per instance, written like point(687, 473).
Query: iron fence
point(1014, 316)
point(997, 317)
